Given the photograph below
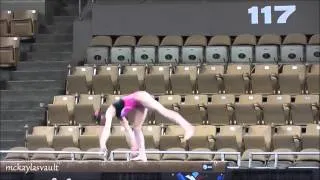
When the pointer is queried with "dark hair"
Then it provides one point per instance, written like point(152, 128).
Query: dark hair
point(118, 105)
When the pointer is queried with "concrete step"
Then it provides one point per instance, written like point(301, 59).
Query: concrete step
point(12, 134)
point(68, 19)
point(58, 28)
point(7, 144)
point(21, 114)
point(52, 47)
point(21, 105)
point(19, 124)
point(39, 75)
point(44, 55)
point(35, 84)
point(42, 65)
point(30, 95)
point(54, 38)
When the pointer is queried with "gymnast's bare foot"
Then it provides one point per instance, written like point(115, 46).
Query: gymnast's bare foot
point(140, 157)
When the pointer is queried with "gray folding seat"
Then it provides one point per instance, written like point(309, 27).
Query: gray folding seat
point(5, 19)
point(40, 137)
point(192, 108)
point(94, 157)
point(17, 156)
point(9, 51)
point(242, 49)
point(202, 140)
point(313, 49)
point(168, 101)
point(248, 111)
point(61, 111)
point(217, 50)
point(79, 80)
point(286, 139)
point(146, 49)
point(292, 49)
point(131, 79)
point(24, 23)
point(89, 137)
point(169, 50)
point(264, 79)
point(256, 139)
point(172, 141)
point(44, 157)
point(193, 49)
point(292, 79)
point(122, 50)
point(210, 79)
point(118, 141)
point(276, 110)
point(66, 136)
point(229, 139)
point(152, 134)
point(98, 50)
point(313, 79)
point(157, 79)
point(68, 156)
point(237, 78)
point(85, 109)
point(220, 110)
point(183, 79)
point(105, 81)
point(309, 143)
point(267, 49)
point(305, 109)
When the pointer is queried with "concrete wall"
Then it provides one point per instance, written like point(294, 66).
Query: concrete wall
point(82, 34)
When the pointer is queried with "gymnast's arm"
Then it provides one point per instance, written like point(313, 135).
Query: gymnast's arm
point(110, 113)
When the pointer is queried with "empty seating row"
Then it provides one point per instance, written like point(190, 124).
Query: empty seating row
point(22, 23)
point(235, 138)
point(196, 79)
point(198, 109)
point(197, 49)
point(9, 51)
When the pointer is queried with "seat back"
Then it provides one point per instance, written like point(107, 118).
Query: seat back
point(276, 110)
point(305, 109)
point(5, 19)
point(24, 23)
point(98, 50)
point(122, 50)
point(210, 79)
point(292, 49)
point(193, 49)
point(217, 110)
point(183, 79)
point(146, 49)
point(245, 110)
point(131, 79)
point(313, 49)
point(192, 108)
point(313, 79)
point(242, 49)
point(217, 50)
point(9, 51)
point(264, 79)
point(267, 49)
point(292, 79)
point(157, 79)
point(236, 78)
point(169, 50)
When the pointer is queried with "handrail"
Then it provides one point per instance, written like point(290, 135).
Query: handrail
point(276, 156)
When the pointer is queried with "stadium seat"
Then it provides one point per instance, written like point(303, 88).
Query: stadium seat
point(157, 79)
point(292, 79)
point(40, 137)
point(85, 109)
point(305, 109)
point(61, 111)
point(105, 81)
point(309, 143)
point(169, 50)
point(17, 156)
point(313, 79)
point(122, 50)
point(267, 49)
point(68, 156)
point(47, 156)
point(286, 139)
point(217, 50)
point(203, 140)
point(145, 50)
point(79, 80)
point(89, 137)
point(220, 109)
point(131, 79)
point(292, 49)
point(313, 49)
point(98, 50)
point(276, 111)
point(5, 20)
point(193, 49)
point(228, 139)
point(68, 100)
point(118, 142)
point(264, 79)
point(210, 79)
point(236, 80)
point(172, 141)
point(192, 108)
point(24, 23)
point(183, 79)
point(242, 49)
point(152, 135)
point(93, 157)
point(248, 110)
point(256, 139)
point(169, 101)
point(67, 136)
point(9, 51)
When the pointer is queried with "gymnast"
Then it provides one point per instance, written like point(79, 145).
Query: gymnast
point(138, 104)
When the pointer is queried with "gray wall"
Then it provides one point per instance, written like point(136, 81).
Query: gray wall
point(82, 34)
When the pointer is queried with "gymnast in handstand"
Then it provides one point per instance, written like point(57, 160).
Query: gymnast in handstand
point(138, 104)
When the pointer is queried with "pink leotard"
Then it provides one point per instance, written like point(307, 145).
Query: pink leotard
point(130, 103)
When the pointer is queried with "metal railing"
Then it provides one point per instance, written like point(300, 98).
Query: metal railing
point(276, 156)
